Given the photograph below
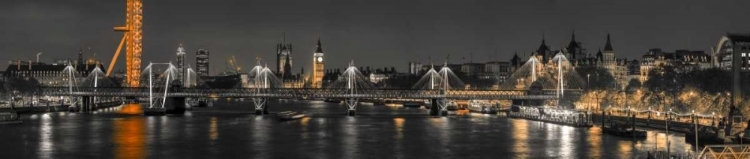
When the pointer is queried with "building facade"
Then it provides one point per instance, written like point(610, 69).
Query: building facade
point(733, 46)
point(733, 53)
point(415, 68)
point(574, 50)
point(202, 62)
point(682, 60)
point(284, 59)
point(496, 70)
point(50, 75)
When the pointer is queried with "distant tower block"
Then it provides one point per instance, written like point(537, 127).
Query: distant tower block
point(133, 37)
point(181, 63)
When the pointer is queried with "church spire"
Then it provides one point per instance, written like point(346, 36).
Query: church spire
point(608, 46)
point(80, 56)
point(573, 37)
point(319, 47)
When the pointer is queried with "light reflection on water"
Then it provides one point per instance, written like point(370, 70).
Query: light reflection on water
point(398, 124)
point(213, 133)
point(305, 134)
point(520, 135)
point(129, 138)
point(595, 141)
point(566, 141)
point(327, 133)
point(350, 145)
point(260, 135)
point(45, 135)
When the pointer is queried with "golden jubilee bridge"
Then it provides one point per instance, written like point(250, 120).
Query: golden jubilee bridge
point(303, 93)
point(260, 96)
point(171, 87)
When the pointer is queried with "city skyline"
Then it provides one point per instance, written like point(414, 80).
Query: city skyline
point(364, 32)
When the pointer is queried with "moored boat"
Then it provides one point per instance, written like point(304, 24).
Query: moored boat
point(412, 104)
point(706, 136)
point(483, 108)
point(332, 100)
point(623, 130)
point(11, 117)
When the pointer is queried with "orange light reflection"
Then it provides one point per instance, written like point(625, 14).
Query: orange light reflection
point(131, 109)
point(129, 137)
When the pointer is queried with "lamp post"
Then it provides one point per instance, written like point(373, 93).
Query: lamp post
point(666, 125)
point(713, 118)
point(626, 91)
point(588, 77)
point(695, 122)
point(657, 116)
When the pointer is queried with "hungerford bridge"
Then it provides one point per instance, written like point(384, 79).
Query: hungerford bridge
point(438, 86)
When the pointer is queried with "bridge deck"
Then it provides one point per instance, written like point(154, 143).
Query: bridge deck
point(301, 93)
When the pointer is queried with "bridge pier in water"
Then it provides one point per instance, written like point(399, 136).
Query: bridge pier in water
point(434, 108)
point(351, 112)
point(261, 106)
point(351, 103)
point(176, 105)
point(85, 104)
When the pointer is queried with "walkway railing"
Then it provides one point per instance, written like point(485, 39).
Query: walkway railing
point(730, 151)
point(300, 93)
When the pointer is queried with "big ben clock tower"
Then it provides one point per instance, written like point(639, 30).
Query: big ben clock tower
point(318, 67)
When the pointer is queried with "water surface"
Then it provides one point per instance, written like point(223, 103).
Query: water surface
point(231, 130)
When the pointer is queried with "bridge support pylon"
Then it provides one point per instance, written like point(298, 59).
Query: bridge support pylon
point(439, 107)
point(351, 103)
point(261, 106)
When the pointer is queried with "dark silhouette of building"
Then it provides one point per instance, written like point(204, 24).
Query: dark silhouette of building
point(284, 59)
point(543, 53)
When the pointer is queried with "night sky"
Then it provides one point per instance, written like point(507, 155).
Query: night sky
point(372, 33)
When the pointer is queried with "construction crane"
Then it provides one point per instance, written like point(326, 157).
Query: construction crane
point(37, 56)
point(233, 66)
point(133, 37)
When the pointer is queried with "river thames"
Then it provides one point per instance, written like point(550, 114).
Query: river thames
point(231, 130)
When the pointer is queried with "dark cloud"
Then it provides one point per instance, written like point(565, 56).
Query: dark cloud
point(376, 33)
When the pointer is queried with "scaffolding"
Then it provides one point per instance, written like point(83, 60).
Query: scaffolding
point(726, 151)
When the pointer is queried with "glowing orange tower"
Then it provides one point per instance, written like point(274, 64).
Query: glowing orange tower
point(133, 36)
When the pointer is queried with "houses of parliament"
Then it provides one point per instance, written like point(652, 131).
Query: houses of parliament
point(284, 65)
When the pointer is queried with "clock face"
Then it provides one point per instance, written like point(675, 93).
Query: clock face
point(320, 59)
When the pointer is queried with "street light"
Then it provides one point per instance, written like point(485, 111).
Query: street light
point(713, 118)
point(666, 125)
point(695, 122)
point(588, 77)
